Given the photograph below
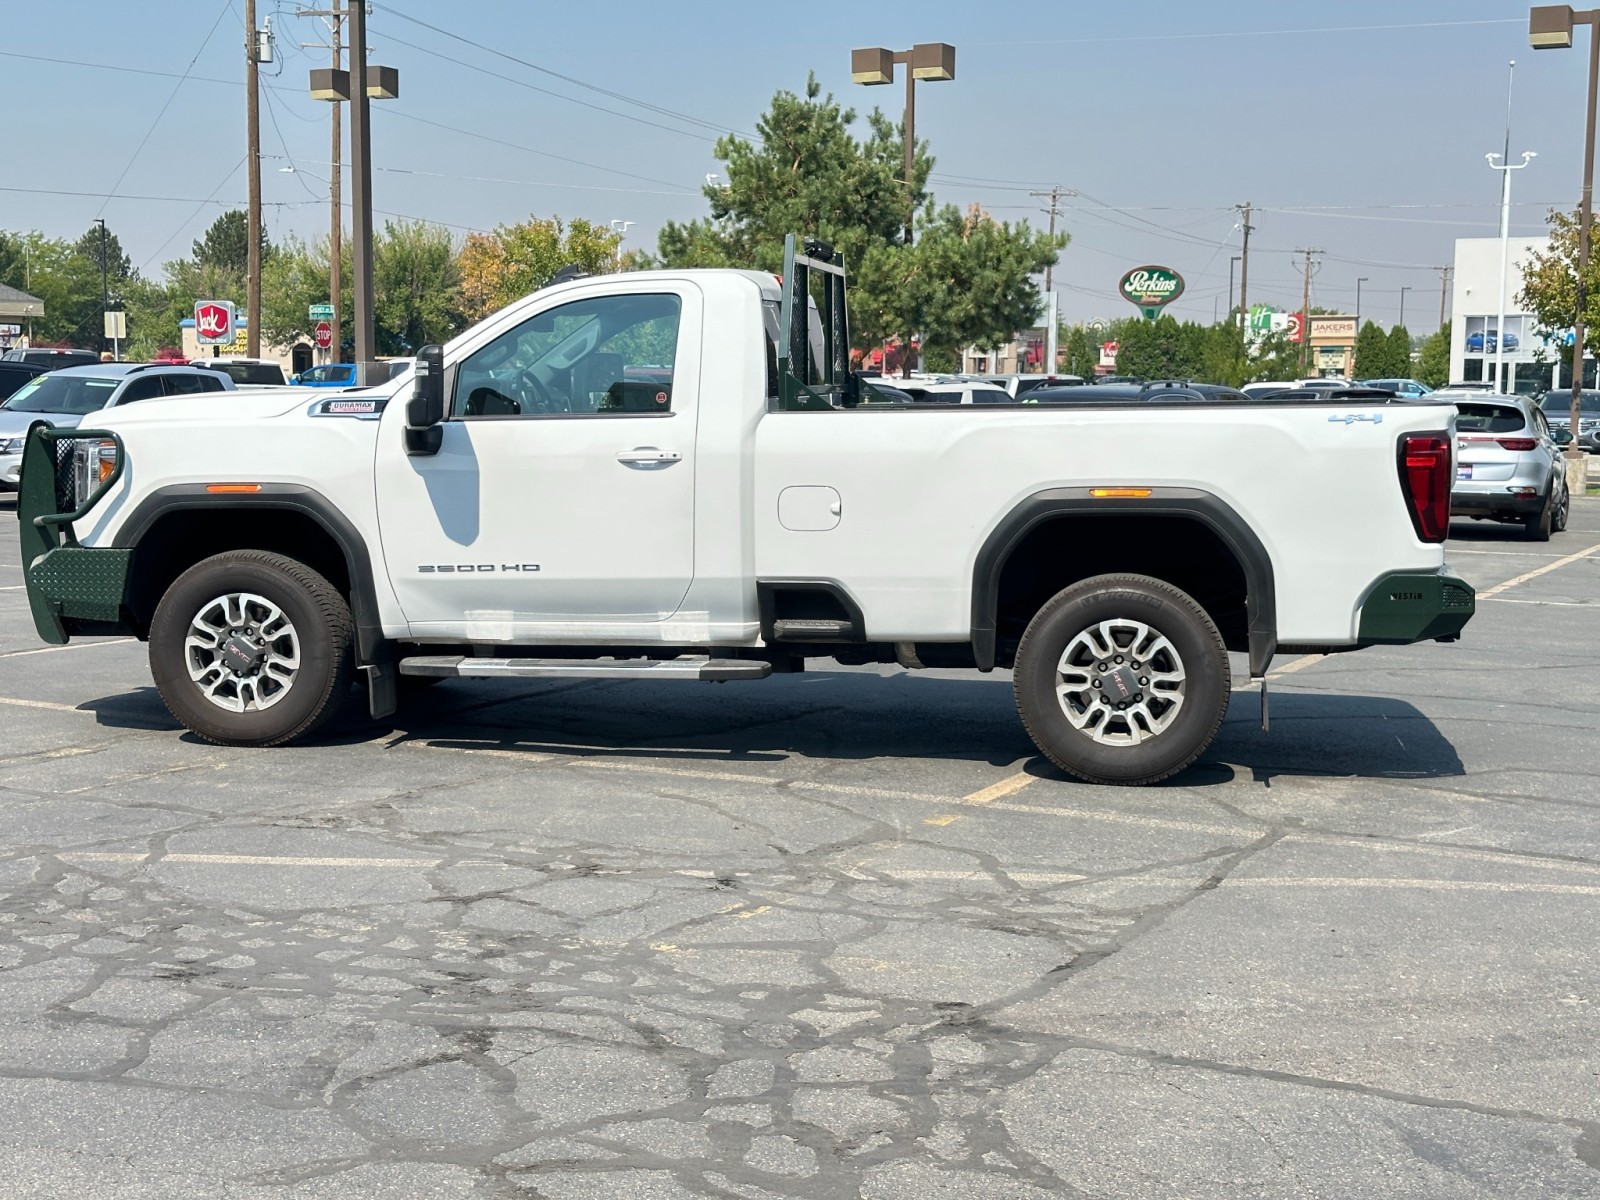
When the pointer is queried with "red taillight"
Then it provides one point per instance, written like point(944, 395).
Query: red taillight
point(1425, 479)
point(1517, 443)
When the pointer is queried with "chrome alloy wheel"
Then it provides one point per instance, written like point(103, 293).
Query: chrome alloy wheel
point(1120, 682)
point(242, 652)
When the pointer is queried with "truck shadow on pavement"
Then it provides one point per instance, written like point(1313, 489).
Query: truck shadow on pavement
point(848, 716)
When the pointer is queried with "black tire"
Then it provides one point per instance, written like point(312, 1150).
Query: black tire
point(322, 624)
point(1165, 610)
point(1537, 526)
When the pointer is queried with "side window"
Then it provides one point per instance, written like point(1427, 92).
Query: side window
point(146, 388)
point(605, 354)
point(189, 385)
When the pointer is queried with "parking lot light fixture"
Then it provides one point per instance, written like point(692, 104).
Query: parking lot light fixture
point(934, 62)
point(1550, 27)
point(328, 84)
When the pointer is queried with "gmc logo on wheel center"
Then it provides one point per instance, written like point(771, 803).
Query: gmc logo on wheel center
point(474, 568)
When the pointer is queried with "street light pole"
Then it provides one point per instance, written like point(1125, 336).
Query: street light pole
point(925, 60)
point(1231, 261)
point(1359, 281)
point(366, 347)
point(1505, 170)
point(1402, 321)
point(1550, 27)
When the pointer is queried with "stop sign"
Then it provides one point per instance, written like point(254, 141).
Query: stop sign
point(213, 321)
point(324, 332)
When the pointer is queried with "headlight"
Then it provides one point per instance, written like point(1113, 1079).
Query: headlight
point(92, 464)
point(11, 445)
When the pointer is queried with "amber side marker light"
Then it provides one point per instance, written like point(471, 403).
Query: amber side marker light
point(232, 488)
point(1119, 493)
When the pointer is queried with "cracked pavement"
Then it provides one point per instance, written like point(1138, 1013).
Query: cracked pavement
point(835, 935)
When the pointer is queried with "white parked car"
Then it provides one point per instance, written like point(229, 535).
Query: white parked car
point(245, 372)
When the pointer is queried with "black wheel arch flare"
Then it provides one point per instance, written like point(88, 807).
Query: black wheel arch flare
point(371, 647)
point(1188, 503)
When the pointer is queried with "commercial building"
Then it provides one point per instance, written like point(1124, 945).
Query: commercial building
point(18, 312)
point(1536, 360)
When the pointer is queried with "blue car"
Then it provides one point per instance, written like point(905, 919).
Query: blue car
point(327, 375)
point(1484, 342)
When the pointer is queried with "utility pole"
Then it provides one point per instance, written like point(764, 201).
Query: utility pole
point(336, 198)
point(1052, 333)
point(360, 187)
point(335, 15)
point(1444, 291)
point(105, 271)
point(1244, 261)
point(253, 154)
point(1305, 315)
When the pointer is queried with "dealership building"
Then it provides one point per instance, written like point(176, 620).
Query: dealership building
point(1535, 360)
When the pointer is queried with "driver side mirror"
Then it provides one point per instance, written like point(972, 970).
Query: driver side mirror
point(1561, 437)
point(425, 409)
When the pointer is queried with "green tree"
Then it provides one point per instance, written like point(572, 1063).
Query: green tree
point(226, 243)
point(13, 259)
point(1399, 359)
point(1433, 368)
point(1081, 356)
point(1276, 357)
point(965, 281)
point(506, 265)
point(806, 174)
point(1550, 279)
point(416, 286)
point(1225, 360)
point(1372, 353)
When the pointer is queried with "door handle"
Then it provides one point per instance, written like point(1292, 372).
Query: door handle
point(648, 456)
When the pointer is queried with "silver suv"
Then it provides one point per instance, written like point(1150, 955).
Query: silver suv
point(1508, 467)
point(1557, 408)
point(64, 398)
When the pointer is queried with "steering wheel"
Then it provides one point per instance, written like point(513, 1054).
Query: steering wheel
point(538, 397)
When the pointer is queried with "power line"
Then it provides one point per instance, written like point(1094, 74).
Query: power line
point(527, 149)
point(532, 87)
point(626, 99)
point(173, 95)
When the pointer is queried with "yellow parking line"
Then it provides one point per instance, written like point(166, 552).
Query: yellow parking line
point(73, 646)
point(1534, 574)
point(45, 704)
point(995, 791)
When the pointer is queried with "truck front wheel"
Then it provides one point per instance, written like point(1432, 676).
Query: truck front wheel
point(1122, 679)
point(252, 649)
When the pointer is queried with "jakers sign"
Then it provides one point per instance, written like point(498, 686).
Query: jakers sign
point(1151, 287)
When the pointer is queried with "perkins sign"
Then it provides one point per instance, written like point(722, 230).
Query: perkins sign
point(1151, 287)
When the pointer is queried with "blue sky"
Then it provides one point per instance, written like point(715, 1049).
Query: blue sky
point(1358, 128)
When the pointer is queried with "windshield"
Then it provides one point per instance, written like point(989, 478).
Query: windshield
point(328, 373)
point(1488, 418)
point(241, 372)
point(73, 395)
point(1559, 404)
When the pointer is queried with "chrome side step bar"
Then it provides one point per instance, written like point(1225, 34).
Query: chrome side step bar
point(706, 670)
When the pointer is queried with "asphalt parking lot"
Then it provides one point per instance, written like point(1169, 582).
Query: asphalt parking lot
point(833, 935)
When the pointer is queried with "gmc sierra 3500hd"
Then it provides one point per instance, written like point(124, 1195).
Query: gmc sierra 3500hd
point(674, 475)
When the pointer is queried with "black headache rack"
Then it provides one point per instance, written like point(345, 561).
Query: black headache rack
point(804, 382)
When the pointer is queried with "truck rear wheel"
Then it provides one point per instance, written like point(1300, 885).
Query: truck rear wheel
point(1122, 679)
point(252, 649)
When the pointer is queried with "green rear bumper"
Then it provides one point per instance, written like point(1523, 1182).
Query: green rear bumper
point(1403, 608)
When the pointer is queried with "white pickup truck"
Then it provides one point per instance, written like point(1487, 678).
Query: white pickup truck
point(674, 475)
